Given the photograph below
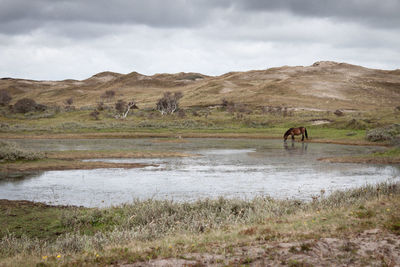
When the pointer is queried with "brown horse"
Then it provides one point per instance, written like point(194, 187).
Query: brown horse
point(296, 131)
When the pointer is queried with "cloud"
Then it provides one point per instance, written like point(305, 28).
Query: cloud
point(58, 39)
point(383, 13)
point(19, 16)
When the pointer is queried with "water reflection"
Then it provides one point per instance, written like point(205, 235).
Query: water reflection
point(17, 178)
point(295, 149)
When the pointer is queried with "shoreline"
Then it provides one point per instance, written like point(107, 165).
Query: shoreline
point(73, 160)
point(180, 137)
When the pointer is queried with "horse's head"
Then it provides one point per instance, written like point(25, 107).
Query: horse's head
point(288, 132)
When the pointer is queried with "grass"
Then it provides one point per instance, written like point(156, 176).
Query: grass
point(152, 229)
point(389, 156)
point(37, 234)
point(204, 121)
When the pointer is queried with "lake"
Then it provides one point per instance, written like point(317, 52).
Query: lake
point(233, 168)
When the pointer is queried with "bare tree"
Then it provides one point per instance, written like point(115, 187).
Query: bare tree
point(169, 103)
point(5, 98)
point(123, 108)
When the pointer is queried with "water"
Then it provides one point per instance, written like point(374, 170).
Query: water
point(224, 167)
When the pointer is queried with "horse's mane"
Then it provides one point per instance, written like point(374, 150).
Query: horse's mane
point(288, 132)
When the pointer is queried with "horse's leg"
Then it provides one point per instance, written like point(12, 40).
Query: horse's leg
point(302, 137)
point(292, 136)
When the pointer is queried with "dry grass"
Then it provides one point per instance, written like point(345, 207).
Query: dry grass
point(227, 229)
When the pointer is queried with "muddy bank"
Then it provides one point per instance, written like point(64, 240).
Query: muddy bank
point(84, 154)
point(365, 160)
point(179, 138)
point(72, 160)
point(53, 165)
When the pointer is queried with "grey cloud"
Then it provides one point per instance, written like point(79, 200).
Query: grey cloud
point(372, 12)
point(21, 16)
point(16, 15)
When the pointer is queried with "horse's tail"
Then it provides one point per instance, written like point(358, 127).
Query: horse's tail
point(287, 133)
point(305, 131)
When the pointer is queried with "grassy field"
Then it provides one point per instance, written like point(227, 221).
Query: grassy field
point(196, 122)
point(332, 230)
point(354, 227)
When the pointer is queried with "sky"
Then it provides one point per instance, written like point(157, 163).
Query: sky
point(75, 39)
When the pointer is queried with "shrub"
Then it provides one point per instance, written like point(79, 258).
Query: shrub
point(100, 106)
point(108, 94)
point(388, 133)
point(40, 107)
point(5, 98)
point(69, 101)
point(181, 113)
point(338, 113)
point(120, 106)
point(11, 151)
point(95, 114)
point(24, 105)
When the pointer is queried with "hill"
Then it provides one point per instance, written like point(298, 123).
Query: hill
point(324, 85)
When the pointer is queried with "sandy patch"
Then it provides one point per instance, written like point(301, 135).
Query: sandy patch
point(370, 248)
point(320, 122)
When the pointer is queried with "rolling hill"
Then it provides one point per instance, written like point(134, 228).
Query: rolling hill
point(325, 85)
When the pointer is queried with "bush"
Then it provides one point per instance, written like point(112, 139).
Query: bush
point(11, 151)
point(338, 113)
point(95, 114)
point(24, 105)
point(120, 106)
point(5, 98)
point(108, 94)
point(69, 101)
point(100, 106)
point(388, 133)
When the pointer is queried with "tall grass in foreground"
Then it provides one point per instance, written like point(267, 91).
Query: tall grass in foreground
point(153, 219)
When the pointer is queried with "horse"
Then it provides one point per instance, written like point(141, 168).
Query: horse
point(296, 131)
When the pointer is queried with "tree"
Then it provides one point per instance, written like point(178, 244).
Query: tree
point(5, 98)
point(123, 108)
point(169, 103)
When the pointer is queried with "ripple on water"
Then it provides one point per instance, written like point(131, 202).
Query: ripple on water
point(229, 168)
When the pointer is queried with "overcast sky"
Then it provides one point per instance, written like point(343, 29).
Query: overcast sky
point(60, 39)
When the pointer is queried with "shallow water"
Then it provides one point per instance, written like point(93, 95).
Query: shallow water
point(226, 167)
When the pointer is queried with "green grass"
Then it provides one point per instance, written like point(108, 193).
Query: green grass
point(31, 220)
point(217, 121)
point(389, 153)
